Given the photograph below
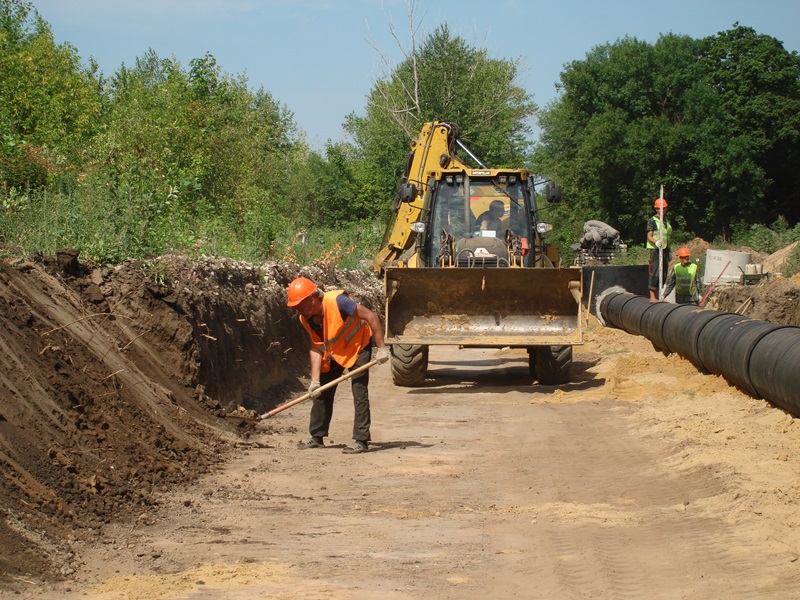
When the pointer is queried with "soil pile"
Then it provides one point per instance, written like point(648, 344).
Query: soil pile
point(119, 383)
point(773, 299)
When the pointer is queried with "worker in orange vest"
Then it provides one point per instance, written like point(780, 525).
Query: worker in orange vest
point(342, 334)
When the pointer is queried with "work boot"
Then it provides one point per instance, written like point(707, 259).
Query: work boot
point(313, 442)
point(356, 447)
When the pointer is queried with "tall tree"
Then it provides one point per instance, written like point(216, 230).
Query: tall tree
point(444, 79)
point(757, 83)
point(697, 116)
point(48, 102)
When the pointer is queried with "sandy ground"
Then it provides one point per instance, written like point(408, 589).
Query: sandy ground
point(642, 479)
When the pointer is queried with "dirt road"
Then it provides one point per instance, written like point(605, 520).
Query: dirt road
point(643, 479)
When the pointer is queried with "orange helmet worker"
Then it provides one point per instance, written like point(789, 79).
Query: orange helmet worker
point(685, 280)
point(300, 289)
point(659, 230)
point(342, 334)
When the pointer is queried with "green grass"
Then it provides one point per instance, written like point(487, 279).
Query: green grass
point(108, 229)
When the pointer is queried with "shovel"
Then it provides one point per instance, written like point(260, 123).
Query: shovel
point(321, 388)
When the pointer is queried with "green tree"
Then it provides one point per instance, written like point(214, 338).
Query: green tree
point(48, 102)
point(444, 79)
point(758, 85)
point(699, 117)
point(616, 131)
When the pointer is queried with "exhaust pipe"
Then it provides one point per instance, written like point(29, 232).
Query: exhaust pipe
point(758, 357)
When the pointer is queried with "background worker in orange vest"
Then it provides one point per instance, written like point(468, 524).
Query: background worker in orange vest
point(685, 280)
point(342, 332)
point(659, 231)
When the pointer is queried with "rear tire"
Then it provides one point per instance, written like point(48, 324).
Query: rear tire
point(409, 364)
point(553, 364)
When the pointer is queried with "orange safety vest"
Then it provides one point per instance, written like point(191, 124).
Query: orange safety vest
point(342, 339)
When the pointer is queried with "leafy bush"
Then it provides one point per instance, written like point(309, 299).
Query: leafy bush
point(636, 255)
point(760, 237)
point(792, 265)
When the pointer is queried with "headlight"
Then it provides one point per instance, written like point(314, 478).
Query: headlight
point(544, 227)
point(418, 227)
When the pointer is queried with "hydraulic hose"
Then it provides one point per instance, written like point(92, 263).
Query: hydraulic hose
point(758, 357)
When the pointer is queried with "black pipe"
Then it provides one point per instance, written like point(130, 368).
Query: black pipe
point(726, 344)
point(651, 325)
point(758, 357)
point(774, 368)
point(683, 332)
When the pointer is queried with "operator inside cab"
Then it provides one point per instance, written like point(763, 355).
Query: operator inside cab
point(491, 220)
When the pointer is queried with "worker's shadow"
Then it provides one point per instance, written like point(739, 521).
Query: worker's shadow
point(396, 445)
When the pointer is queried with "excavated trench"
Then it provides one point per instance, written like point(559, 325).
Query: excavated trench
point(118, 383)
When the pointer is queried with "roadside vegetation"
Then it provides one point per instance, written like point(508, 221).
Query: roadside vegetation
point(161, 157)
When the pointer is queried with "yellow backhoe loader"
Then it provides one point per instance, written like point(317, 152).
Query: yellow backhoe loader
point(464, 264)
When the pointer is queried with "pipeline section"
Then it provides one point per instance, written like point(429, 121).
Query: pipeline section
point(758, 357)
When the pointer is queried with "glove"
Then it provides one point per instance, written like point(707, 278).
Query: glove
point(312, 389)
point(659, 244)
point(382, 354)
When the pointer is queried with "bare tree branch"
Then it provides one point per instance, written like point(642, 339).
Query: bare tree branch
point(405, 114)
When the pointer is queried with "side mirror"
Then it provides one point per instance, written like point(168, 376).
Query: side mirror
point(408, 192)
point(553, 193)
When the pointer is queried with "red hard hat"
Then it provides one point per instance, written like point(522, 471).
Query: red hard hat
point(683, 252)
point(300, 289)
point(660, 203)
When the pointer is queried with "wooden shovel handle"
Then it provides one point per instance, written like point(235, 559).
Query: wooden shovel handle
point(321, 388)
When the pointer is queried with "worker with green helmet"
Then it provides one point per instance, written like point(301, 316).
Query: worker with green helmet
point(659, 231)
point(684, 278)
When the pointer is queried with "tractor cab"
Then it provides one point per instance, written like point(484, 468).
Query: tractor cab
point(484, 219)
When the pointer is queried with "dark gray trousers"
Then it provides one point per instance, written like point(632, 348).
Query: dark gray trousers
point(322, 405)
point(653, 272)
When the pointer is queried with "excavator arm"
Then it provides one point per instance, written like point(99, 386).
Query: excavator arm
point(432, 150)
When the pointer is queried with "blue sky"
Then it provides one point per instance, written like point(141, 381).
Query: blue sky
point(319, 57)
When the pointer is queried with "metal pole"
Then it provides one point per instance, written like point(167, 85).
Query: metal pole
point(661, 250)
point(589, 302)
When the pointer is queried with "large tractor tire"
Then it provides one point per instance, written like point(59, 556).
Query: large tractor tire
point(409, 364)
point(553, 364)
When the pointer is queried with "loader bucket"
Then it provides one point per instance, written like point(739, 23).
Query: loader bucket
point(483, 307)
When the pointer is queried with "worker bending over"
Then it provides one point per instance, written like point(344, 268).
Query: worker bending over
point(342, 332)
